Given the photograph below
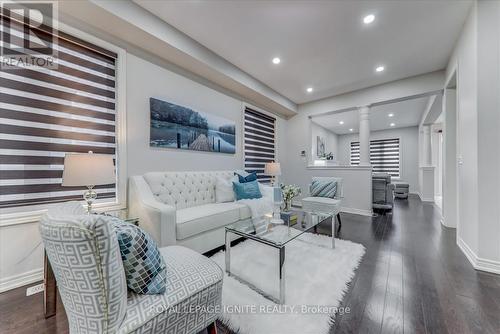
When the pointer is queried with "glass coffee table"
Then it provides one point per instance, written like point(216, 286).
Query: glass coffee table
point(276, 236)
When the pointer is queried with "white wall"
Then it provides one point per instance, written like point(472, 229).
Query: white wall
point(408, 151)
point(331, 141)
point(464, 60)
point(476, 60)
point(488, 151)
point(449, 209)
point(145, 80)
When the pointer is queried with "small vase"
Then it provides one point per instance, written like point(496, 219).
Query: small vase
point(288, 205)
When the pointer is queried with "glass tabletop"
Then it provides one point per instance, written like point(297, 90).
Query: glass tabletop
point(264, 229)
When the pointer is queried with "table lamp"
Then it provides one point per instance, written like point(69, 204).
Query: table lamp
point(272, 169)
point(89, 170)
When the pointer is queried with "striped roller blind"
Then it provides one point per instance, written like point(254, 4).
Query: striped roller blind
point(384, 156)
point(259, 142)
point(45, 113)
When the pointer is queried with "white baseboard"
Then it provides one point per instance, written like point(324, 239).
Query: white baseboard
point(477, 262)
point(426, 200)
point(15, 281)
point(355, 211)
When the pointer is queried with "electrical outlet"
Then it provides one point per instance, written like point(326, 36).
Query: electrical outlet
point(34, 289)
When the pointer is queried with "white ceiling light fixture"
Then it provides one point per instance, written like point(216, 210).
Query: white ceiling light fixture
point(379, 69)
point(341, 122)
point(390, 115)
point(309, 89)
point(369, 19)
point(393, 124)
point(276, 60)
point(351, 130)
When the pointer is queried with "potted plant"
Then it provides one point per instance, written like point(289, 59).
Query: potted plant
point(289, 192)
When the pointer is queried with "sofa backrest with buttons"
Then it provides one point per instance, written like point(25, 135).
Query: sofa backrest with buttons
point(185, 189)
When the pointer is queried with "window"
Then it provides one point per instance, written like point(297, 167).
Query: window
point(45, 113)
point(384, 156)
point(259, 142)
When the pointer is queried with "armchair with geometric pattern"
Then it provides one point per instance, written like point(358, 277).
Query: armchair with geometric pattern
point(85, 257)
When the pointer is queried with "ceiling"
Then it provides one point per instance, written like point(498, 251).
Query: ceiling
point(322, 44)
point(406, 113)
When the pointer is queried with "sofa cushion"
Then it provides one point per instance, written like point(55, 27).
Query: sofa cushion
point(198, 219)
point(145, 268)
point(247, 190)
point(321, 204)
point(193, 282)
point(323, 188)
point(224, 189)
point(248, 178)
point(245, 212)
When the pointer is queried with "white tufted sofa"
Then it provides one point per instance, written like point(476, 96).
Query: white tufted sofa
point(180, 208)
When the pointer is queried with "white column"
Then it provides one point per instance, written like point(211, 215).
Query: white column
point(426, 143)
point(364, 136)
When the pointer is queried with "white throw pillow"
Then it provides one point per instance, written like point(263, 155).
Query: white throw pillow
point(224, 189)
point(266, 191)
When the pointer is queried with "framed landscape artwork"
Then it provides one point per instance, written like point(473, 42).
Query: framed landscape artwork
point(320, 146)
point(175, 126)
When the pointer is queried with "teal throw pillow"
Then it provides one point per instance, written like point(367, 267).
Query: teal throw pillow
point(323, 188)
point(145, 269)
point(247, 178)
point(248, 190)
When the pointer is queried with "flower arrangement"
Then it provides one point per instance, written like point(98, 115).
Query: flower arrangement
point(289, 192)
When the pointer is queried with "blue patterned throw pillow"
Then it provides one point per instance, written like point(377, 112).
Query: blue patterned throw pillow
point(248, 190)
point(323, 188)
point(145, 268)
point(247, 178)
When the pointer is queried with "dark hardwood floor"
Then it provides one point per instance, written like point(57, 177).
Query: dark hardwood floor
point(412, 279)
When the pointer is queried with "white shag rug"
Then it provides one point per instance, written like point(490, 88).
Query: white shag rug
point(316, 280)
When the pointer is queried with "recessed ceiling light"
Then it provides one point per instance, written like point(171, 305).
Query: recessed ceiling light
point(351, 130)
point(369, 19)
point(309, 89)
point(390, 115)
point(341, 122)
point(393, 124)
point(276, 60)
point(380, 68)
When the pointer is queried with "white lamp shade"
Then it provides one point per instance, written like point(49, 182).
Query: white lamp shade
point(88, 169)
point(272, 169)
